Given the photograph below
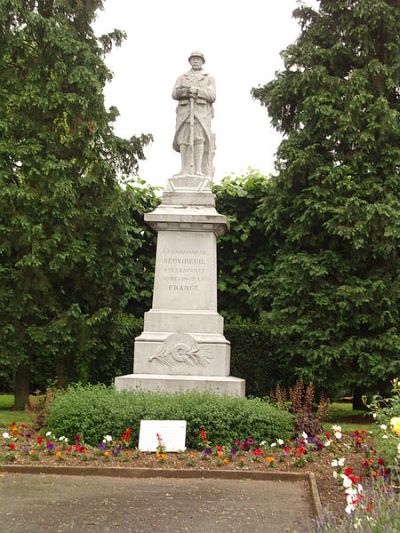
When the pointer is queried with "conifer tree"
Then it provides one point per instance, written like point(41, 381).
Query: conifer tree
point(332, 295)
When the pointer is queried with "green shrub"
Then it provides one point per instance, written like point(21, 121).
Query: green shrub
point(253, 359)
point(96, 410)
point(386, 411)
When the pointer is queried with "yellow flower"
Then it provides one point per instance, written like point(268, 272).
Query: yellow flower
point(58, 454)
point(161, 456)
point(395, 423)
point(106, 453)
point(226, 461)
point(270, 459)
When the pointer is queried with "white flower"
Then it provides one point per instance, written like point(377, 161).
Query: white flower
point(335, 463)
point(273, 445)
point(341, 461)
point(398, 449)
point(374, 415)
point(350, 508)
point(304, 435)
point(338, 435)
point(337, 428)
point(384, 436)
point(6, 435)
point(263, 443)
point(383, 426)
point(335, 474)
point(61, 439)
point(360, 488)
point(327, 443)
point(107, 438)
point(279, 441)
point(48, 434)
point(347, 483)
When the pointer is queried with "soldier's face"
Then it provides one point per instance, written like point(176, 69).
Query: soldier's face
point(196, 62)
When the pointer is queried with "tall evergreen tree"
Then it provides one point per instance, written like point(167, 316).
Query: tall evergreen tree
point(66, 235)
point(332, 296)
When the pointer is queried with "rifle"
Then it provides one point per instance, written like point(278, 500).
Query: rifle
point(191, 134)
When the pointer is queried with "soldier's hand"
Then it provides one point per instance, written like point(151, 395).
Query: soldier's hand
point(193, 91)
point(182, 92)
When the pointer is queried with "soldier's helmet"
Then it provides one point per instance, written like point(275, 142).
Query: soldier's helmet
point(196, 53)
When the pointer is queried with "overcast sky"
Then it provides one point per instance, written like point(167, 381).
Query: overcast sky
point(241, 41)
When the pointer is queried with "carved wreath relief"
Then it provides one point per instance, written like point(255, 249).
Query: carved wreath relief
point(181, 348)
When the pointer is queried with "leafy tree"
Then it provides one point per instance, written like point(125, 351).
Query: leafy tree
point(242, 253)
point(67, 238)
point(332, 296)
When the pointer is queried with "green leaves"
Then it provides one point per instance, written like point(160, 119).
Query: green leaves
point(332, 217)
point(71, 246)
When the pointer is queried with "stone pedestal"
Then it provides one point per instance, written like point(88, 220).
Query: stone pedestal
point(182, 346)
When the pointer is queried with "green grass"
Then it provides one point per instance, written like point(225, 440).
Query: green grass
point(343, 414)
point(7, 416)
point(6, 401)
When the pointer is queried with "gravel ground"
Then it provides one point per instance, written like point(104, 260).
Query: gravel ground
point(53, 503)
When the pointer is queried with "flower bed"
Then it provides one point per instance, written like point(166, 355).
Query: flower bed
point(357, 473)
point(323, 456)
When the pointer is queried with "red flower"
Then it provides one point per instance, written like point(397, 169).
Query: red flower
point(69, 449)
point(203, 435)
point(328, 435)
point(298, 452)
point(77, 438)
point(126, 437)
point(12, 446)
point(356, 433)
point(39, 440)
point(363, 432)
point(380, 461)
point(257, 451)
point(286, 450)
point(348, 471)
point(219, 448)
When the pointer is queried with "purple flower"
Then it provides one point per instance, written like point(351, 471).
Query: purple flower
point(207, 451)
point(25, 448)
point(233, 451)
point(102, 446)
point(49, 446)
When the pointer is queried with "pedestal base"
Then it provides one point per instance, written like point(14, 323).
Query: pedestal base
point(229, 385)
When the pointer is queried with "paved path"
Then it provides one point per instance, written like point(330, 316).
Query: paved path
point(54, 503)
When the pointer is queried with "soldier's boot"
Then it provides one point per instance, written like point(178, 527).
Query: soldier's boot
point(198, 158)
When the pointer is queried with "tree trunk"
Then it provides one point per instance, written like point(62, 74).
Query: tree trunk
point(357, 399)
point(61, 373)
point(21, 387)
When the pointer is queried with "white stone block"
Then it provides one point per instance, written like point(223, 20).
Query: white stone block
point(229, 385)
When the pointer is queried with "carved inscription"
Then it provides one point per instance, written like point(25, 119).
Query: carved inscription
point(183, 270)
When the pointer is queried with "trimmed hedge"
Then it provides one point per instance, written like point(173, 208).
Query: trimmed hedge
point(97, 410)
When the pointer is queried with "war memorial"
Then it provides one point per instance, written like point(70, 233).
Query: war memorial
point(182, 346)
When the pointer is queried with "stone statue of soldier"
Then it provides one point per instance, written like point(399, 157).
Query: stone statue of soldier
point(195, 92)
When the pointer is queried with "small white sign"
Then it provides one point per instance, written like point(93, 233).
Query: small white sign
point(171, 432)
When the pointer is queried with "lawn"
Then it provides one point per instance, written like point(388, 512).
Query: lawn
point(343, 414)
point(7, 415)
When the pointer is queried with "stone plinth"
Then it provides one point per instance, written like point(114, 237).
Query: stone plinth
point(182, 346)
